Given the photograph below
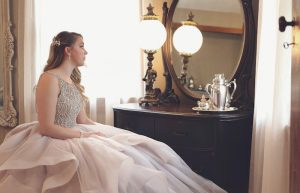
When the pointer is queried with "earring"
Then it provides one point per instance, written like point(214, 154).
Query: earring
point(69, 57)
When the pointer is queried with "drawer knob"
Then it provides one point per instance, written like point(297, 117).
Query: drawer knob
point(180, 133)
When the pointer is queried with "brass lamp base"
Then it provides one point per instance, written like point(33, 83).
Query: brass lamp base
point(151, 97)
point(149, 101)
point(182, 77)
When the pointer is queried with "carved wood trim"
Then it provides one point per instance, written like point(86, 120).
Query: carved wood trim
point(8, 113)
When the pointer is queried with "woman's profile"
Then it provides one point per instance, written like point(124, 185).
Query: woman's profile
point(65, 151)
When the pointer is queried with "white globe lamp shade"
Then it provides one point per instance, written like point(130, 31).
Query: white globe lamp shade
point(152, 34)
point(187, 39)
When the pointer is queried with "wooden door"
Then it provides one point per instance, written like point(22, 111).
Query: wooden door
point(295, 106)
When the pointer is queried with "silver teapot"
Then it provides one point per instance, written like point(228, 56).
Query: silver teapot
point(219, 92)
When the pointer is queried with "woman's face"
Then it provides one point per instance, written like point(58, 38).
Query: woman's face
point(78, 52)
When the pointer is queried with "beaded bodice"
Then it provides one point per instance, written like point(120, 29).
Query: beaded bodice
point(69, 104)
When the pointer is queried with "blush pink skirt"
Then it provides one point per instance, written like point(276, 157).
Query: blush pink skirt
point(121, 162)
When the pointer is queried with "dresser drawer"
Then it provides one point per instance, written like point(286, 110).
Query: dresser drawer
point(200, 162)
point(191, 134)
point(143, 125)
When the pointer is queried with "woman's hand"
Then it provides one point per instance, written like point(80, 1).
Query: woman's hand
point(90, 133)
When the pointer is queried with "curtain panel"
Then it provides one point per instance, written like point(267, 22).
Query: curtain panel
point(269, 172)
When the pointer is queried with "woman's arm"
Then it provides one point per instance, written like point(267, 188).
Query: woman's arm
point(82, 118)
point(46, 98)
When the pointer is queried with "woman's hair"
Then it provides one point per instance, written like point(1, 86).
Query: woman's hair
point(56, 56)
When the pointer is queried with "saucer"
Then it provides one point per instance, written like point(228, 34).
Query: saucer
point(216, 110)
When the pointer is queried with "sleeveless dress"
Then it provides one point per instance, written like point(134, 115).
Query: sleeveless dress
point(121, 162)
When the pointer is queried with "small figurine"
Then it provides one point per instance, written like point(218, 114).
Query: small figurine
point(203, 103)
point(200, 87)
point(191, 83)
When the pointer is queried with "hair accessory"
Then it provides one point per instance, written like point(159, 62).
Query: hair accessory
point(55, 42)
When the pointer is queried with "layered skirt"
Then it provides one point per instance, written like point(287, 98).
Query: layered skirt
point(121, 162)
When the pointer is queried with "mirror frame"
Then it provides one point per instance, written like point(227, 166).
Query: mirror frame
point(244, 72)
point(8, 113)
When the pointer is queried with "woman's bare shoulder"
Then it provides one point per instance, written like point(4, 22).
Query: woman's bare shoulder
point(47, 80)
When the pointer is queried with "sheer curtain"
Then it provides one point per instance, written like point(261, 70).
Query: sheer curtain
point(26, 59)
point(113, 69)
point(270, 144)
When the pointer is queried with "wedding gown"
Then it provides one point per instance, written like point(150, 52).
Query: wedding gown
point(121, 162)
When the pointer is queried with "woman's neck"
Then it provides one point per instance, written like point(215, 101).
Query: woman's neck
point(65, 69)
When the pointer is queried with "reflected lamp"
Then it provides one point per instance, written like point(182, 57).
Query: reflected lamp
point(187, 40)
point(152, 36)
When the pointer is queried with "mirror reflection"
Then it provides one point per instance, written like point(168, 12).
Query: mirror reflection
point(222, 27)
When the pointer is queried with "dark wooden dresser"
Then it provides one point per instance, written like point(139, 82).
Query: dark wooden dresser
point(216, 145)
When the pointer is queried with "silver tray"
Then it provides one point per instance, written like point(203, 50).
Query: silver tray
point(216, 110)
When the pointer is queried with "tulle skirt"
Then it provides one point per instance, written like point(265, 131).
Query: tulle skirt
point(121, 162)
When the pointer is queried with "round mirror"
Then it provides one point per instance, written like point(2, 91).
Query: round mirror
point(228, 33)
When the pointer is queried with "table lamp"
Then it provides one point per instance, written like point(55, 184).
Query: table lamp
point(152, 37)
point(187, 40)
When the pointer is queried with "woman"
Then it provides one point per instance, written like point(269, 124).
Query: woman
point(65, 151)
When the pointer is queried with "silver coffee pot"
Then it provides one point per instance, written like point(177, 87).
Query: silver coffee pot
point(219, 92)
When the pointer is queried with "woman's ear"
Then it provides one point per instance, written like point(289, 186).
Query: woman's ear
point(68, 51)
